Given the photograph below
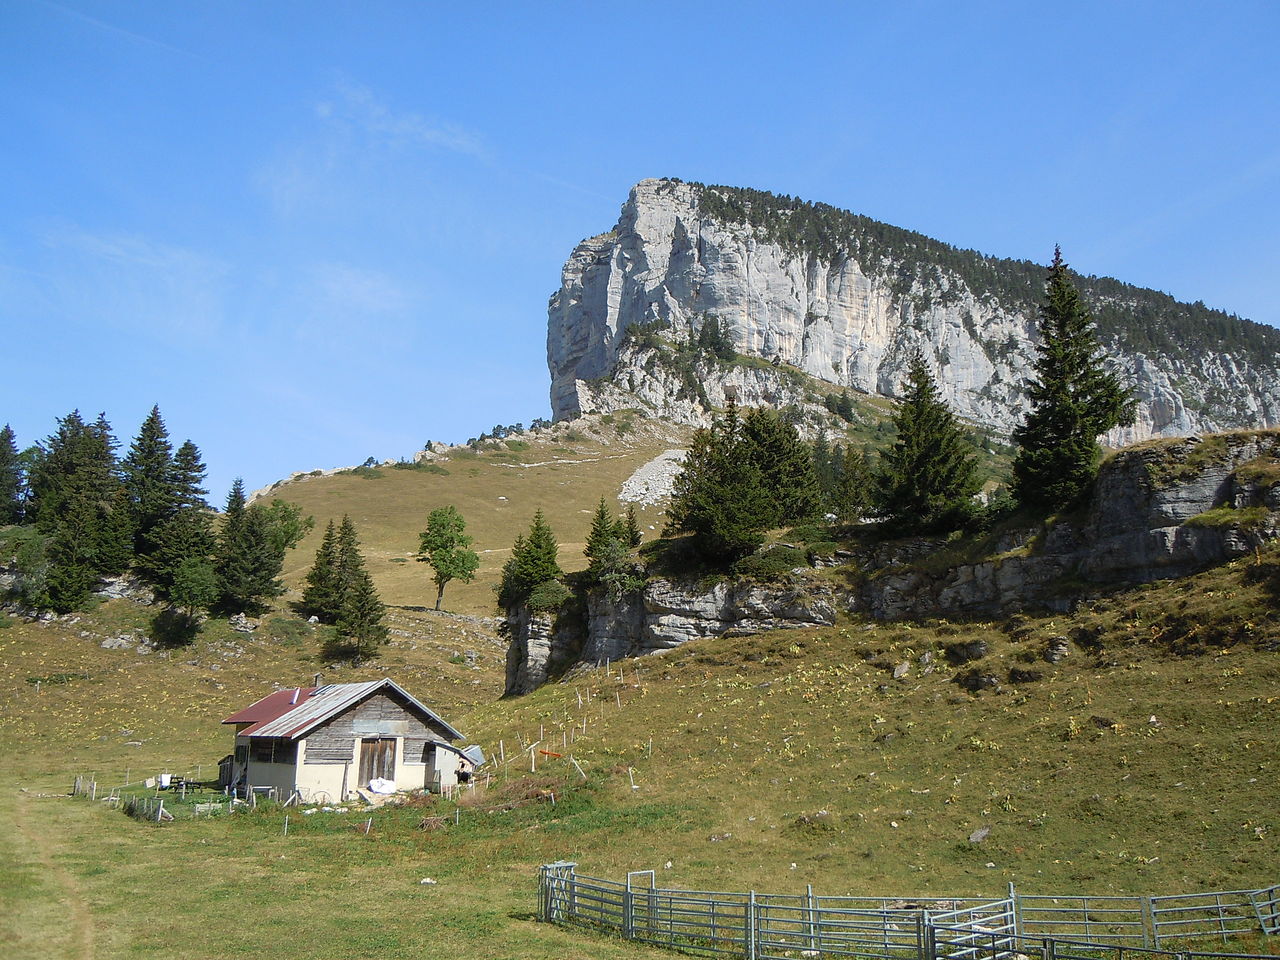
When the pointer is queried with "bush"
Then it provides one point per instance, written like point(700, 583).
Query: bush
point(369, 473)
point(287, 631)
point(774, 562)
point(548, 597)
point(826, 549)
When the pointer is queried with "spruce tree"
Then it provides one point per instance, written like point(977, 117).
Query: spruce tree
point(320, 597)
point(148, 476)
point(248, 562)
point(720, 496)
point(533, 562)
point(851, 497)
point(631, 527)
point(10, 479)
point(445, 546)
point(928, 477)
point(188, 477)
point(360, 621)
point(187, 535)
point(785, 466)
point(1074, 400)
point(604, 531)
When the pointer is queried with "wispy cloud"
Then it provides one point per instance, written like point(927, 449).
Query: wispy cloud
point(355, 106)
point(132, 281)
point(347, 290)
point(117, 31)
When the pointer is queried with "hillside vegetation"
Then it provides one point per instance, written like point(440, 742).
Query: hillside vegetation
point(1141, 762)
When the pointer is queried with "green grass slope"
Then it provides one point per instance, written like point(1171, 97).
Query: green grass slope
point(564, 470)
point(768, 762)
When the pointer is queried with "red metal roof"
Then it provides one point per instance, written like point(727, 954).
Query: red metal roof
point(276, 716)
point(271, 707)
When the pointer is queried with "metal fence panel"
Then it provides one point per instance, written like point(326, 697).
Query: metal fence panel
point(1122, 920)
point(781, 926)
point(1198, 915)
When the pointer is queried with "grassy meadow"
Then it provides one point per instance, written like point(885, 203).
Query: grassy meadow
point(1143, 762)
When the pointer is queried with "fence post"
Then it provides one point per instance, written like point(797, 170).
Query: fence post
point(930, 951)
point(628, 908)
point(1016, 910)
point(1150, 932)
point(811, 917)
point(750, 925)
point(1048, 950)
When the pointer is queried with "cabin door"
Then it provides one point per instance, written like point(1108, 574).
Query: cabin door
point(377, 759)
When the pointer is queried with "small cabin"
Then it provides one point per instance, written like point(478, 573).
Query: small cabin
point(326, 742)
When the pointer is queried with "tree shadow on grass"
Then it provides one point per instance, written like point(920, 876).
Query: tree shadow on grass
point(171, 628)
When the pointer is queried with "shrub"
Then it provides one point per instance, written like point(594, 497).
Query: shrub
point(774, 562)
point(548, 597)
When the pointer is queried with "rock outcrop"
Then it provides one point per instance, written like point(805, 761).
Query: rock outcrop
point(1159, 510)
point(850, 308)
point(663, 615)
point(1163, 509)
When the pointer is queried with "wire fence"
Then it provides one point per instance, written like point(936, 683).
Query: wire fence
point(1016, 927)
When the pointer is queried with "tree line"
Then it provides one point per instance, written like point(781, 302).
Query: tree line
point(84, 514)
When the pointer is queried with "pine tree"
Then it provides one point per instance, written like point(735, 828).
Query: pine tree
point(445, 546)
point(77, 504)
point(319, 598)
point(360, 620)
point(72, 555)
point(1074, 400)
point(10, 479)
point(533, 562)
point(148, 477)
point(928, 477)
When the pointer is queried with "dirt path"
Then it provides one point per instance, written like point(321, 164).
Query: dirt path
point(79, 919)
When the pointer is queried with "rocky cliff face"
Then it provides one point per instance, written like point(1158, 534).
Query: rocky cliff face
point(850, 308)
point(1162, 509)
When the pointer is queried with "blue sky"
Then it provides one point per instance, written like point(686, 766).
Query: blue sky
point(314, 232)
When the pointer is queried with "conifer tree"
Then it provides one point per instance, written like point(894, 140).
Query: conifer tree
point(77, 505)
point(604, 530)
point(720, 496)
point(533, 562)
point(72, 555)
point(1074, 400)
point(319, 598)
point(187, 535)
point(247, 562)
point(188, 475)
point(10, 479)
point(148, 477)
point(785, 464)
point(631, 528)
point(851, 497)
point(928, 477)
point(445, 546)
point(360, 620)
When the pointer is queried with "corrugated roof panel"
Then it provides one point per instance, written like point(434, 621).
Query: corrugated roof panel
point(326, 702)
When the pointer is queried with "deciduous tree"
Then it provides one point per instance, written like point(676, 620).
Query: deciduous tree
point(446, 548)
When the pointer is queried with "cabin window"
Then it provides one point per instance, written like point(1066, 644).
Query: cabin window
point(273, 750)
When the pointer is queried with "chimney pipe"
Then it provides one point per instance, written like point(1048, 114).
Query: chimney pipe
point(315, 681)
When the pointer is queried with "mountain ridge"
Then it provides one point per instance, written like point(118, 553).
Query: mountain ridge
point(846, 300)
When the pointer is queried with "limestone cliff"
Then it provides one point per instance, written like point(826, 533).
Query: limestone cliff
point(846, 300)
